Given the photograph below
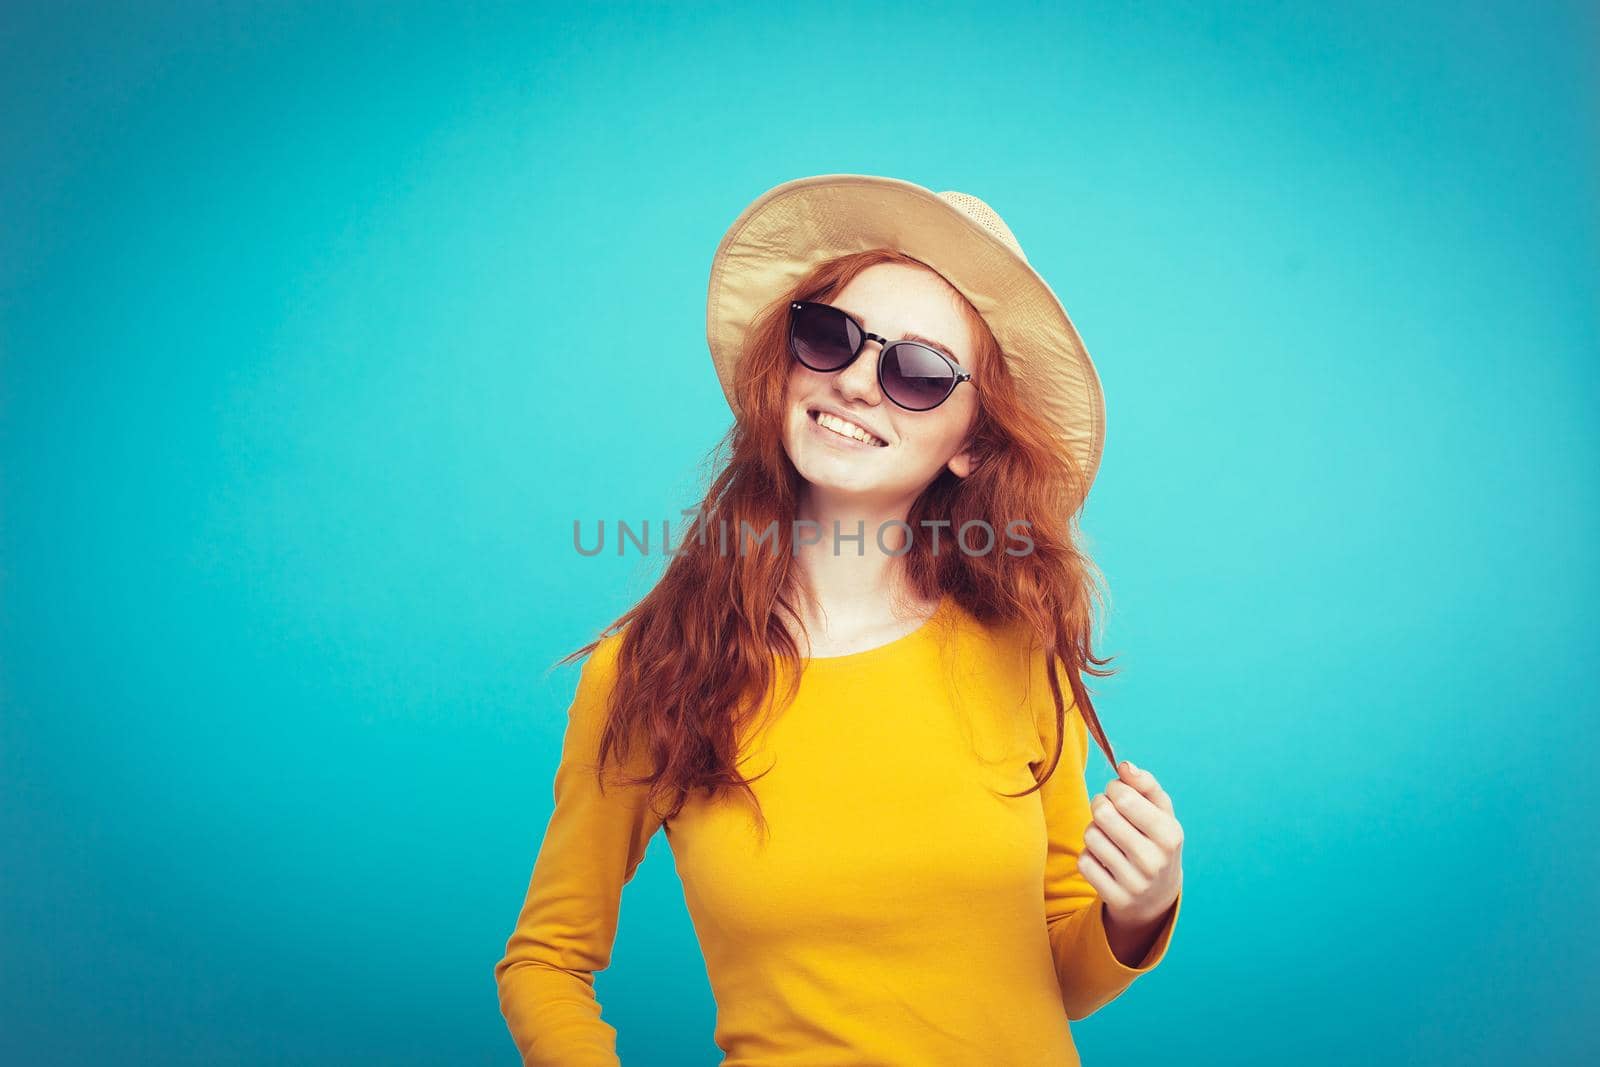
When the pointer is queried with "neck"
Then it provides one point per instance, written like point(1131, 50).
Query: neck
point(846, 576)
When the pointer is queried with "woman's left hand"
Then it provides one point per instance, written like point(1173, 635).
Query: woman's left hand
point(1133, 849)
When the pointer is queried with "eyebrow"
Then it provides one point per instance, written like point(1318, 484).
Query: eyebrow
point(908, 336)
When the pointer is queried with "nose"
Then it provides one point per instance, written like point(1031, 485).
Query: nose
point(859, 381)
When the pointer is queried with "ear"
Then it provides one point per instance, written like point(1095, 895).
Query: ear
point(960, 464)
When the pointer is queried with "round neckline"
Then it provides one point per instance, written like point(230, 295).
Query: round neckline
point(857, 657)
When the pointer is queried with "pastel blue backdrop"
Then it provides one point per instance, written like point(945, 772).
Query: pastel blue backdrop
point(322, 323)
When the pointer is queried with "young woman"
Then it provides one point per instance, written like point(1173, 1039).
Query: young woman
point(854, 701)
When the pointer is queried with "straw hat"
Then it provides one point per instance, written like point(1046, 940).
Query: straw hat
point(792, 227)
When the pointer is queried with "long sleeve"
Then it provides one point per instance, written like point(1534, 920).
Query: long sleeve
point(567, 926)
point(1090, 974)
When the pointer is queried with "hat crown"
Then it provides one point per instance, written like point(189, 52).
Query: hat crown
point(984, 216)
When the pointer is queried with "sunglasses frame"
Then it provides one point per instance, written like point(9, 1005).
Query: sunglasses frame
point(886, 344)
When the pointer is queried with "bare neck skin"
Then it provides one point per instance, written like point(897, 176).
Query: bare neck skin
point(854, 598)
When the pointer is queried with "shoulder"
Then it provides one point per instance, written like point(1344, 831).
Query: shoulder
point(600, 666)
point(1005, 659)
point(597, 677)
point(1019, 648)
point(1011, 643)
point(591, 712)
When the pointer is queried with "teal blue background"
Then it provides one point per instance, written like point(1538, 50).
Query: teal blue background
point(321, 325)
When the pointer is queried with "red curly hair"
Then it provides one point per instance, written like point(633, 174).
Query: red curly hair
point(697, 652)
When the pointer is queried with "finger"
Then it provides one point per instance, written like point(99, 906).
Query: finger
point(1161, 828)
point(1104, 884)
point(1146, 854)
point(1113, 859)
point(1145, 783)
point(1136, 807)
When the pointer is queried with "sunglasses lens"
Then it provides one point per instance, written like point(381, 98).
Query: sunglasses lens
point(822, 338)
point(915, 377)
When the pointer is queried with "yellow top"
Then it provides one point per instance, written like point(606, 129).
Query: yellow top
point(900, 912)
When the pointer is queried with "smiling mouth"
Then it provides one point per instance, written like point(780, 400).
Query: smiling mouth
point(844, 428)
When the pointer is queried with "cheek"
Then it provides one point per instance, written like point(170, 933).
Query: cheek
point(791, 389)
point(924, 450)
point(801, 381)
point(941, 434)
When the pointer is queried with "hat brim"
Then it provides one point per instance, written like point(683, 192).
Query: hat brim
point(792, 227)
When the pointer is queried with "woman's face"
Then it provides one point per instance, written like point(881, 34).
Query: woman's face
point(890, 300)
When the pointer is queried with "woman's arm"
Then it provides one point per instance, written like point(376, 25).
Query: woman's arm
point(1089, 970)
point(1133, 856)
point(565, 931)
point(1132, 941)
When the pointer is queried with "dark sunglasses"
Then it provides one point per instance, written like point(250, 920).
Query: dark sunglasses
point(911, 374)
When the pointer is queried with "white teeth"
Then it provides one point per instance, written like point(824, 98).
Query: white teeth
point(848, 429)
